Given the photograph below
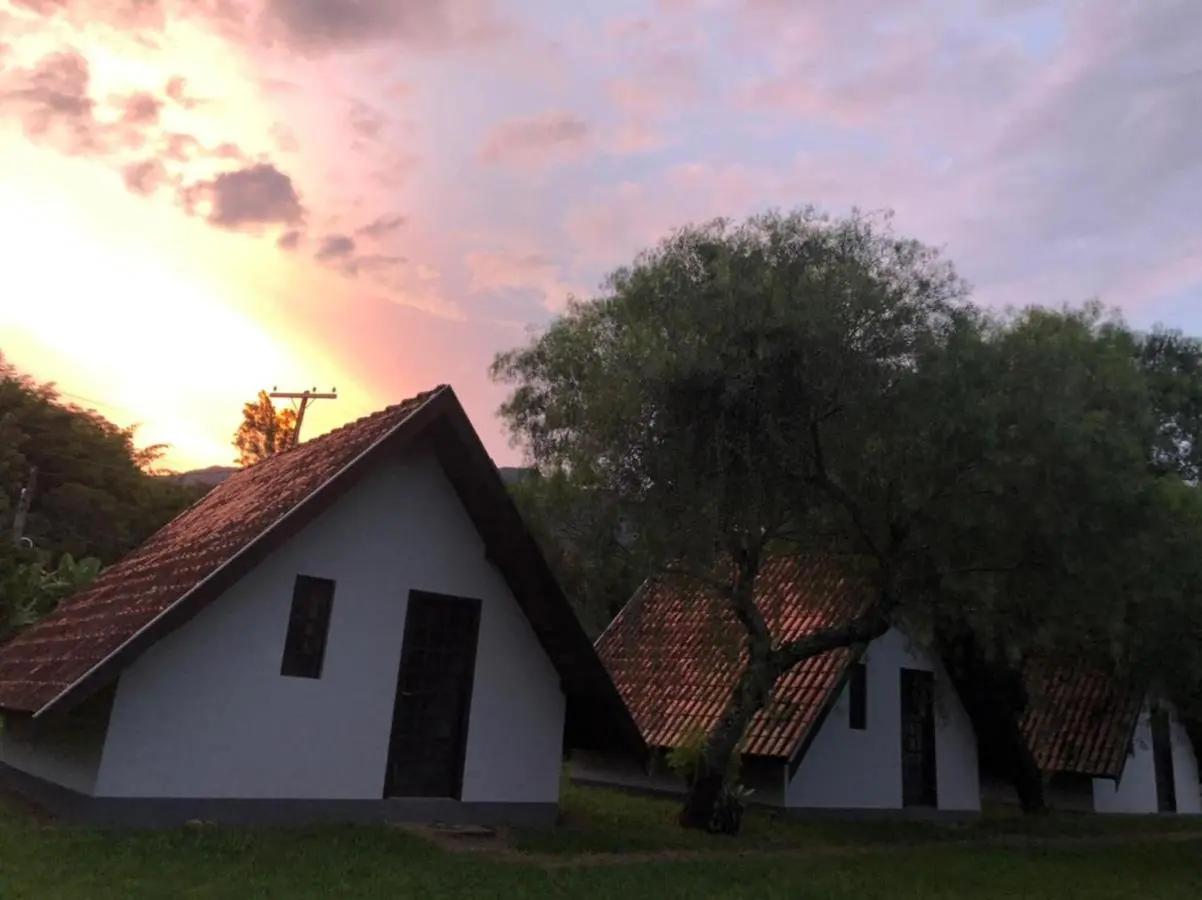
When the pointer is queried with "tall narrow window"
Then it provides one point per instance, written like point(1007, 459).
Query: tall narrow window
point(308, 627)
point(857, 687)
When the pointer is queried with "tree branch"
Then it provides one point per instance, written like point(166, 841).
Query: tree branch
point(742, 595)
point(836, 491)
point(943, 492)
point(862, 630)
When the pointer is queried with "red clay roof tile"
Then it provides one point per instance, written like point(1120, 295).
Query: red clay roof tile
point(1078, 720)
point(39, 664)
point(675, 655)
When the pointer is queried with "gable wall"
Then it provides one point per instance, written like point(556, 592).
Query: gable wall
point(62, 750)
point(849, 769)
point(205, 713)
point(1135, 791)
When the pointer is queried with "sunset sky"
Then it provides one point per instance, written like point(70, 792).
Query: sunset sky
point(202, 198)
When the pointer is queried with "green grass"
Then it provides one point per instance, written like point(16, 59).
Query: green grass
point(61, 863)
point(605, 821)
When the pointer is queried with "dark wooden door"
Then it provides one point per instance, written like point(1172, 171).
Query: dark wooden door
point(919, 786)
point(1162, 760)
point(433, 697)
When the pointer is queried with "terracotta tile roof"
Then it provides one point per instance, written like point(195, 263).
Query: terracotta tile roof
point(675, 655)
point(1078, 720)
point(39, 664)
point(191, 560)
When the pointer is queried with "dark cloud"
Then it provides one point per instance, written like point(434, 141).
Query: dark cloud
point(536, 139)
point(317, 25)
point(382, 226)
point(132, 14)
point(365, 120)
point(228, 150)
point(40, 7)
point(140, 108)
point(335, 246)
point(145, 177)
point(250, 197)
point(376, 264)
point(176, 90)
point(181, 147)
point(341, 252)
point(289, 240)
point(53, 102)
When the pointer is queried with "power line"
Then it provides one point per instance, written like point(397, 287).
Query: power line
point(95, 402)
point(305, 398)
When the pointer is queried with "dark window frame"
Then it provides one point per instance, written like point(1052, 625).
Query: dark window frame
point(308, 632)
point(857, 697)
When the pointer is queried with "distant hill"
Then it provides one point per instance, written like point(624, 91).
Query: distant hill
point(211, 476)
point(514, 474)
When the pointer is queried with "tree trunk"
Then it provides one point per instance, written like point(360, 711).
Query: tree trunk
point(994, 697)
point(1028, 785)
point(705, 790)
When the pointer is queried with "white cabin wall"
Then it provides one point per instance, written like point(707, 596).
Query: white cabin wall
point(850, 769)
point(205, 713)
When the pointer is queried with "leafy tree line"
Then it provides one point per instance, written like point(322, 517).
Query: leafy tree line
point(96, 496)
point(1012, 483)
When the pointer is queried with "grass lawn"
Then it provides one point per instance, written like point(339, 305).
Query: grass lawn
point(39, 860)
point(608, 821)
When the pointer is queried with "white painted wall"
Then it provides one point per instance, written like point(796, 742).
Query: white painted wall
point(205, 713)
point(850, 769)
point(1135, 791)
point(64, 751)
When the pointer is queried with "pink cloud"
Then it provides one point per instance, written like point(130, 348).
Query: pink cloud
point(537, 140)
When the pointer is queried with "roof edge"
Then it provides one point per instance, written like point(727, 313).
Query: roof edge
point(66, 694)
point(520, 541)
point(807, 737)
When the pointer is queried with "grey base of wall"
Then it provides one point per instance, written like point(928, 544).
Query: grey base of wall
point(905, 814)
point(154, 812)
point(805, 814)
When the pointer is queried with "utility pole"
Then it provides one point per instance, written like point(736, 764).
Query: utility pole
point(23, 503)
point(305, 398)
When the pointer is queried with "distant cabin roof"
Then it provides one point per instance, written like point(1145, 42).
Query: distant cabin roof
point(675, 655)
point(1078, 720)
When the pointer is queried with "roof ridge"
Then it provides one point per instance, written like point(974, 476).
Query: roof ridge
point(410, 403)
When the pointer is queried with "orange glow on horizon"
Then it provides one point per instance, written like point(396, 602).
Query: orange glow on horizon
point(160, 319)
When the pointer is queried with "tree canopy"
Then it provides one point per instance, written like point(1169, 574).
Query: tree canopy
point(801, 384)
point(264, 430)
point(96, 495)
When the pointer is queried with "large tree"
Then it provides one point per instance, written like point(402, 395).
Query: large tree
point(264, 431)
point(591, 550)
point(93, 494)
point(800, 384)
